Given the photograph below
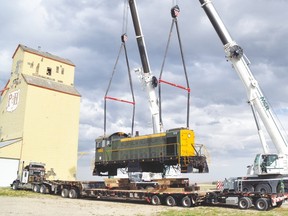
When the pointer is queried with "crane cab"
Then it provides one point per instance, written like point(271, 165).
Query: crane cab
point(269, 164)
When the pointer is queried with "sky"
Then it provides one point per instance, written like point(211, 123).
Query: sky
point(88, 33)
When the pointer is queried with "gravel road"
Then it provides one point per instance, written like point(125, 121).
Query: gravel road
point(52, 206)
point(49, 205)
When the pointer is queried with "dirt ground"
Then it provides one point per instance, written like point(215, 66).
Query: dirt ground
point(49, 205)
point(53, 206)
point(44, 206)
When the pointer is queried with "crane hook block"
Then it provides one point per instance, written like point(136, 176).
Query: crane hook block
point(175, 11)
point(124, 38)
point(154, 82)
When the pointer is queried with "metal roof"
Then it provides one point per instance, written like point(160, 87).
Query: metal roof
point(44, 54)
point(49, 84)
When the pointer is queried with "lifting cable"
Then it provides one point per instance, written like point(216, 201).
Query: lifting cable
point(124, 38)
point(174, 13)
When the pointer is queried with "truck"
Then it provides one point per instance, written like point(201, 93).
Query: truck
point(31, 177)
point(160, 191)
point(169, 191)
point(270, 169)
point(233, 195)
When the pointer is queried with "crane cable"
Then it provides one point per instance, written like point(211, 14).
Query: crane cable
point(174, 2)
point(174, 13)
point(124, 38)
point(125, 16)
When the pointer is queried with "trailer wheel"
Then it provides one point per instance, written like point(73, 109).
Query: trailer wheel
point(155, 200)
point(244, 203)
point(170, 201)
point(36, 188)
point(263, 188)
point(64, 193)
point(73, 193)
point(43, 189)
point(186, 201)
point(262, 204)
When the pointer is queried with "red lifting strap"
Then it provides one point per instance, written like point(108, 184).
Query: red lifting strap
point(175, 85)
point(120, 100)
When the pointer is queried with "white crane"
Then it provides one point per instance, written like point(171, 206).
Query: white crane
point(148, 81)
point(266, 163)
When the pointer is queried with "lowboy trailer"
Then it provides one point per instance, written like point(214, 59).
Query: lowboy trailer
point(163, 191)
point(170, 192)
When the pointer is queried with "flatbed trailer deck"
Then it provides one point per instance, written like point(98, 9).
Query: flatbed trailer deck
point(156, 193)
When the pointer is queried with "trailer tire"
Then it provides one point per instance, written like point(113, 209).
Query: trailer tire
point(262, 204)
point(43, 189)
point(64, 193)
point(73, 193)
point(186, 202)
point(263, 188)
point(36, 188)
point(170, 201)
point(244, 203)
point(155, 200)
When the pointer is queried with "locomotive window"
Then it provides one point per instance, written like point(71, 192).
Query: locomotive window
point(171, 146)
point(171, 140)
point(101, 143)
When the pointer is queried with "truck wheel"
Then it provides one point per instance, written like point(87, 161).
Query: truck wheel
point(244, 203)
point(73, 194)
point(64, 193)
point(262, 204)
point(15, 186)
point(170, 201)
point(186, 201)
point(43, 189)
point(155, 200)
point(263, 188)
point(36, 188)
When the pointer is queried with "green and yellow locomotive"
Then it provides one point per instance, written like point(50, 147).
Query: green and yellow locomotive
point(149, 153)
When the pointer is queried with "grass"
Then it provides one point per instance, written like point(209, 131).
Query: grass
point(8, 192)
point(223, 211)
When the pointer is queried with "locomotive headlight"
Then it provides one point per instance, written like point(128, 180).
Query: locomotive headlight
point(189, 135)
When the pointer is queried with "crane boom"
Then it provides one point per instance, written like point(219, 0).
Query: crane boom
point(255, 96)
point(149, 81)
